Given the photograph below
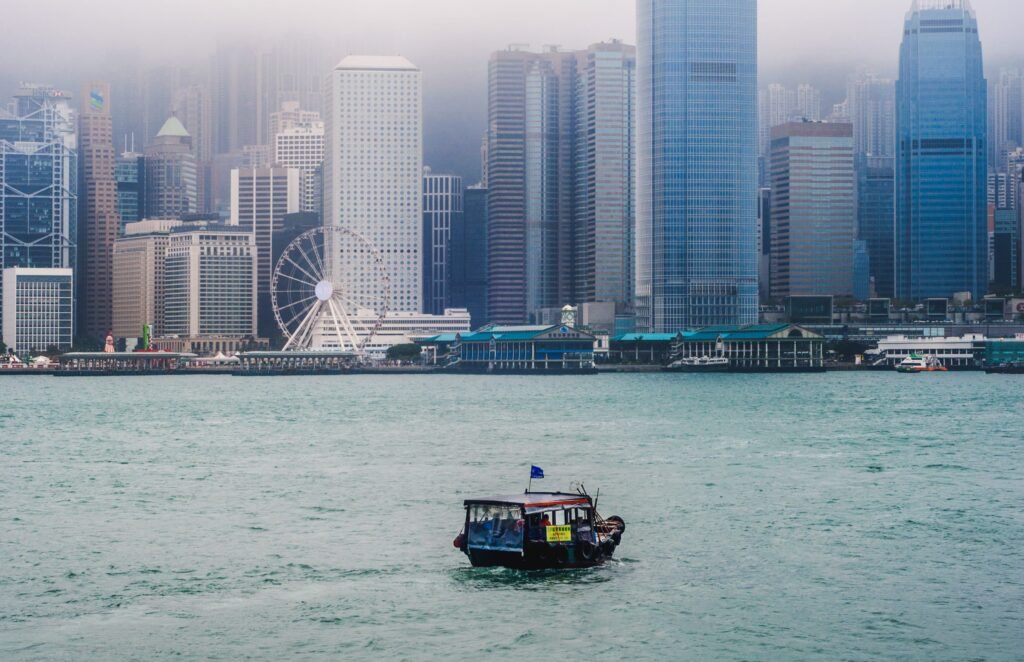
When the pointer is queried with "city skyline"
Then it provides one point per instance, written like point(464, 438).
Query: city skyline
point(793, 48)
point(613, 182)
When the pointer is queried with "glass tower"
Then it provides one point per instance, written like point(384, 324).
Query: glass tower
point(38, 181)
point(697, 254)
point(875, 216)
point(941, 245)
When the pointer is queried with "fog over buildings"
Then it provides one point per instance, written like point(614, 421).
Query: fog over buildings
point(817, 41)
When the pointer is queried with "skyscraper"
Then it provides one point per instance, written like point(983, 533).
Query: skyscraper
point(813, 212)
point(38, 181)
point(234, 82)
point(299, 143)
point(442, 205)
point(1004, 203)
point(210, 283)
point(100, 222)
point(1006, 117)
point(525, 105)
point(696, 259)
point(139, 262)
point(130, 175)
point(872, 109)
point(875, 181)
point(171, 171)
point(604, 203)
point(260, 199)
point(373, 171)
point(941, 211)
point(193, 106)
point(468, 284)
point(808, 102)
point(560, 167)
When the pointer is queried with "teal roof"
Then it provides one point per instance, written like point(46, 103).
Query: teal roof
point(511, 333)
point(433, 340)
point(646, 337)
point(710, 333)
point(752, 332)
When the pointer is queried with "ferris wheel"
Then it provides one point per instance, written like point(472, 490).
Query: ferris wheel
point(330, 290)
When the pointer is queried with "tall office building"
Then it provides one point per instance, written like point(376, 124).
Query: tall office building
point(290, 71)
point(876, 179)
point(529, 156)
point(139, 261)
point(99, 222)
point(194, 107)
point(171, 172)
point(373, 172)
point(38, 309)
point(604, 205)
point(1003, 201)
point(872, 109)
point(1006, 117)
point(813, 211)
point(808, 102)
point(260, 199)
point(210, 283)
point(468, 254)
point(292, 115)
point(941, 211)
point(442, 207)
point(777, 105)
point(235, 93)
point(130, 175)
point(696, 230)
point(38, 181)
point(560, 159)
point(299, 143)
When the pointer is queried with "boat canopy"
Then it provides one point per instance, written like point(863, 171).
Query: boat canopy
point(535, 502)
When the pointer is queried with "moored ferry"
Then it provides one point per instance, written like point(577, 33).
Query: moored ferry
point(916, 363)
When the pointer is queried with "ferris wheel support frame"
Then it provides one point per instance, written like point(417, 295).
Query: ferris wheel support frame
point(329, 300)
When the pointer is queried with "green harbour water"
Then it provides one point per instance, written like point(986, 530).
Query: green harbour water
point(769, 517)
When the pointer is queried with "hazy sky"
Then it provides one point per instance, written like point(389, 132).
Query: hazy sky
point(792, 31)
point(817, 41)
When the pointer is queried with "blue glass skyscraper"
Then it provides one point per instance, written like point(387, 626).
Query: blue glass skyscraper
point(38, 181)
point(941, 214)
point(697, 253)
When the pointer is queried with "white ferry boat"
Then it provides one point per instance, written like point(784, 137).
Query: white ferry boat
point(916, 363)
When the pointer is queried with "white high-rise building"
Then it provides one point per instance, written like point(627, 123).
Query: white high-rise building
point(38, 309)
point(302, 147)
point(373, 172)
point(210, 283)
point(808, 102)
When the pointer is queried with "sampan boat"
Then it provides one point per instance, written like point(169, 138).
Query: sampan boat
point(538, 530)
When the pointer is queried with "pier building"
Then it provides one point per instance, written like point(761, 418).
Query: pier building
point(519, 349)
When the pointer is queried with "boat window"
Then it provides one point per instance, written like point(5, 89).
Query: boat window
point(496, 528)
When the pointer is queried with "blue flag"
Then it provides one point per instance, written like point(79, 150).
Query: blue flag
point(536, 472)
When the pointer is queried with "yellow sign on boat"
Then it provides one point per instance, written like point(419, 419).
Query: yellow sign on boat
point(559, 533)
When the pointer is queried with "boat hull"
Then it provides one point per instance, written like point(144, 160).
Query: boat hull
point(542, 556)
point(1005, 370)
point(698, 369)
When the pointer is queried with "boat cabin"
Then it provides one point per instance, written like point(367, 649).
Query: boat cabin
point(533, 530)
